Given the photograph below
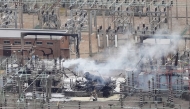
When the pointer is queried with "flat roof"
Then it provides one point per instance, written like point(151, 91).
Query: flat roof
point(16, 33)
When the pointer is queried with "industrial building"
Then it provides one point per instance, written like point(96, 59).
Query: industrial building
point(95, 54)
point(44, 46)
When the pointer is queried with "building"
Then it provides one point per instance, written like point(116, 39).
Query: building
point(43, 46)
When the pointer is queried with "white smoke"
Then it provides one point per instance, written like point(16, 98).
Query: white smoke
point(127, 56)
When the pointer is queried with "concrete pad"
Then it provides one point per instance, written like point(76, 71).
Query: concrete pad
point(111, 98)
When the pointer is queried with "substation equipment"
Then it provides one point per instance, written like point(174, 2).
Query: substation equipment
point(153, 81)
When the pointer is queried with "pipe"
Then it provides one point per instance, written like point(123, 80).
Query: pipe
point(107, 40)
point(98, 40)
point(115, 40)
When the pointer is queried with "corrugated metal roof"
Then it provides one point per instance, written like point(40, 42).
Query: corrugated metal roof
point(16, 33)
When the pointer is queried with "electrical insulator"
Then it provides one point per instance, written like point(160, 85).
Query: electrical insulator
point(163, 105)
point(81, 25)
point(70, 7)
point(127, 9)
point(6, 23)
point(165, 9)
point(23, 87)
point(34, 90)
point(146, 28)
point(35, 38)
point(125, 1)
point(65, 25)
point(153, 86)
point(11, 63)
point(48, 104)
point(172, 2)
point(128, 83)
point(60, 63)
point(118, 8)
point(100, 27)
point(117, 28)
point(26, 101)
point(63, 5)
point(55, 67)
point(85, 14)
point(98, 30)
point(138, 28)
point(154, 2)
point(116, 1)
point(162, 1)
point(7, 66)
point(79, 105)
point(132, 80)
point(52, 12)
point(109, 27)
point(141, 98)
point(106, 30)
point(147, 9)
point(121, 88)
point(155, 28)
point(5, 5)
point(156, 9)
point(165, 20)
point(5, 102)
point(43, 96)
point(143, 25)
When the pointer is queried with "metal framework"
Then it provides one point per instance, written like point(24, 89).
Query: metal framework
point(118, 17)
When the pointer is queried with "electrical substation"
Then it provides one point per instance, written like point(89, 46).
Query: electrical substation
point(94, 54)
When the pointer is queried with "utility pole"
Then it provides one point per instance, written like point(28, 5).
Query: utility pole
point(89, 33)
point(186, 13)
point(104, 30)
point(21, 13)
point(171, 17)
point(176, 10)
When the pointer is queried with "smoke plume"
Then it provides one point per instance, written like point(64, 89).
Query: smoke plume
point(130, 55)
